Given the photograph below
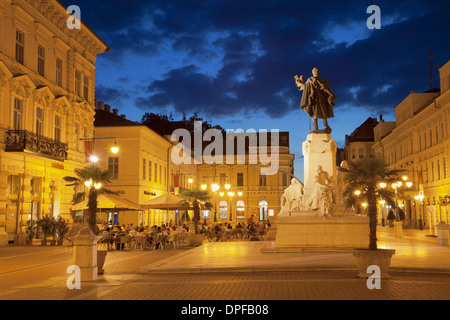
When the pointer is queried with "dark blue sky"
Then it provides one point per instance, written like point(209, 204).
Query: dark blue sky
point(233, 61)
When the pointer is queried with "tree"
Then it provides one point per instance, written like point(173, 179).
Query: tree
point(195, 196)
point(166, 124)
point(365, 175)
point(94, 179)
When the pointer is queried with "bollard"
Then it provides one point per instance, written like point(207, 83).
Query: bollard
point(85, 253)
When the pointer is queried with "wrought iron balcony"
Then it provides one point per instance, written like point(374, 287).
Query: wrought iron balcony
point(26, 141)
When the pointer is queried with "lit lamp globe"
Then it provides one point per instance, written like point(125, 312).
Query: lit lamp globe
point(114, 149)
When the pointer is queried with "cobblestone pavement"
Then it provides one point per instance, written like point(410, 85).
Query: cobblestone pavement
point(40, 274)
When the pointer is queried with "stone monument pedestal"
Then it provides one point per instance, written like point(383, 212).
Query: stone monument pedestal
point(442, 233)
point(323, 223)
point(85, 253)
point(321, 234)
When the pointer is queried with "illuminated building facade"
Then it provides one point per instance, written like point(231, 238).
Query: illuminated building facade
point(419, 143)
point(47, 90)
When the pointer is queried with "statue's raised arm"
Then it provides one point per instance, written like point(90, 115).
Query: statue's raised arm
point(299, 82)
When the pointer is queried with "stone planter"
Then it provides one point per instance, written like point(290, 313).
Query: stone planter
point(196, 240)
point(366, 257)
point(29, 242)
point(101, 257)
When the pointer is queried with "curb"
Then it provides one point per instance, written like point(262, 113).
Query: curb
point(149, 270)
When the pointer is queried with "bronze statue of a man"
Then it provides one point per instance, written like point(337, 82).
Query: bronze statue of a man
point(317, 99)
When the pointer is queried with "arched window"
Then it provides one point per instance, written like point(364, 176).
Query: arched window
point(223, 212)
point(240, 210)
point(263, 210)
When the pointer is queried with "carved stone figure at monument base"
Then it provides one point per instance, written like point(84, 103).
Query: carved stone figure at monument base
point(291, 198)
point(322, 196)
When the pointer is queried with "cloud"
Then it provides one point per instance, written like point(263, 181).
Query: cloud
point(240, 56)
point(114, 96)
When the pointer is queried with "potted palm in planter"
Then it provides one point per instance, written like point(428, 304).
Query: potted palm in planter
point(62, 229)
point(365, 175)
point(47, 226)
point(194, 197)
point(95, 180)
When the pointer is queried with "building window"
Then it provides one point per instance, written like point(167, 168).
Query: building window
point(240, 210)
point(437, 134)
point(223, 210)
point(86, 88)
point(149, 170)
point(360, 153)
point(78, 82)
point(18, 110)
point(424, 140)
point(76, 136)
point(438, 170)
point(431, 138)
point(444, 166)
point(39, 121)
point(57, 136)
point(165, 176)
point(240, 179)
point(284, 179)
point(12, 186)
point(262, 180)
point(144, 169)
point(113, 167)
point(160, 174)
point(20, 46)
point(156, 173)
point(41, 61)
point(432, 171)
point(59, 72)
point(222, 179)
point(35, 184)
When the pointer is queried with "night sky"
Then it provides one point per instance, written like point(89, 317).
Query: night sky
point(233, 61)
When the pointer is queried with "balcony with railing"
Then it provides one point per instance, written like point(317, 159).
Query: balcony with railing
point(26, 141)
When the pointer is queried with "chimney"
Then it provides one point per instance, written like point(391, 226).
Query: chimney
point(381, 118)
point(100, 105)
point(123, 116)
point(107, 108)
point(115, 111)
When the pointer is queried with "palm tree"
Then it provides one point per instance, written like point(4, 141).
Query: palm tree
point(365, 175)
point(94, 179)
point(195, 196)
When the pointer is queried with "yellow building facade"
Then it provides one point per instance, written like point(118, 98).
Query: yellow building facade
point(47, 90)
point(141, 170)
point(144, 168)
point(418, 142)
point(242, 189)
